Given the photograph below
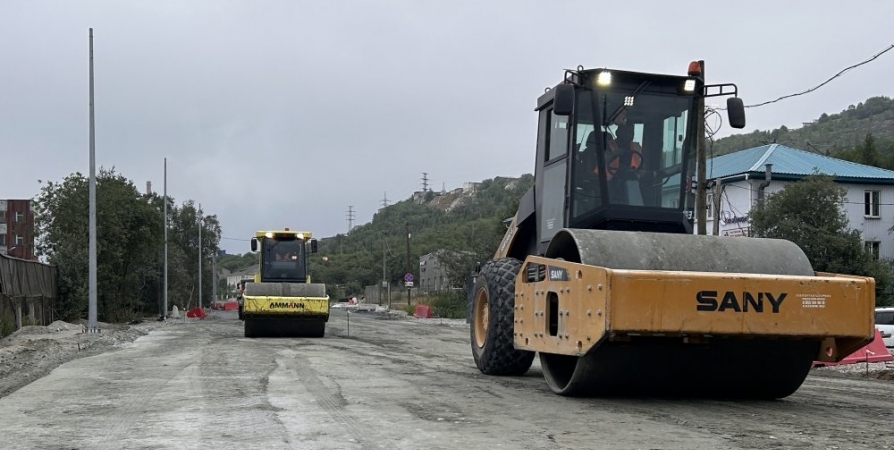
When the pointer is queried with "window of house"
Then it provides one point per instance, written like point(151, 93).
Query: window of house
point(872, 247)
point(20, 240)
point(19, 217)
point(3, 240)
point(871, 203)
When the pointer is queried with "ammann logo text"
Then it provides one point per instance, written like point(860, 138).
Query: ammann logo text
point(287, 305)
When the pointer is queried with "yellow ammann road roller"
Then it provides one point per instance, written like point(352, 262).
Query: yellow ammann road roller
point(282, 301)
point(601, 274)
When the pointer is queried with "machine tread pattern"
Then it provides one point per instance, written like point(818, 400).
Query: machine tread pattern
point(499, 356)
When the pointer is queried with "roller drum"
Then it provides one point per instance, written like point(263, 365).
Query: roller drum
point(684, 252)
point(724, 367)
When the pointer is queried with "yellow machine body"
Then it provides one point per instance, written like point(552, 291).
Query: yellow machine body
point(570, 308)
point(283, 301)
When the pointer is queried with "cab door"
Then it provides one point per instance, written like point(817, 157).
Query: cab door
point(552, 174)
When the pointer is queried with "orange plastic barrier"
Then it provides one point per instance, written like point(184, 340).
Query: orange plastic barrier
point(231, 305)
point(196, 313)
point(873, 352)
point(422, 312)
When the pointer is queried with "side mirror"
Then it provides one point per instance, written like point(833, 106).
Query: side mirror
point(563, 102)
point(735, 111)
point(254, 244)
point(312, 246)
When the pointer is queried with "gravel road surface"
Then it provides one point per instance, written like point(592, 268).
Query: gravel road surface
point(392, 384)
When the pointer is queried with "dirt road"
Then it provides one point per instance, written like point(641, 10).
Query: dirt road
point(392, 384)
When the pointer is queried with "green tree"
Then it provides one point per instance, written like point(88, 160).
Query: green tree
point(129, 228)
point(868, 153)
point(810, 214)
point(126, 258)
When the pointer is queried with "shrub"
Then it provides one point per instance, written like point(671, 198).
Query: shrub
point(7, 324)
point(450, 305)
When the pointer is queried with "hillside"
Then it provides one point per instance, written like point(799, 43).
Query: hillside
point(468, 220)
point(835, 135)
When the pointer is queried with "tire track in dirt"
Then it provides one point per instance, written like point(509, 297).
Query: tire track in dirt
point(227, 381)
point(331, 401)
point(826, 412)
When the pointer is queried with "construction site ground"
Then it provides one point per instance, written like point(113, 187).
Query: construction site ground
point(376, 381)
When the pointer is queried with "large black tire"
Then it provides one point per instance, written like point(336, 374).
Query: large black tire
point(248, 328)
point(493, 313)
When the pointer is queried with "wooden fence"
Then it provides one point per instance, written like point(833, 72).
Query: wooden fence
point(28, 292)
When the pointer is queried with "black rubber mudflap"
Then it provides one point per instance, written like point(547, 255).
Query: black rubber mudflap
point(285, 327)
point(499, 356)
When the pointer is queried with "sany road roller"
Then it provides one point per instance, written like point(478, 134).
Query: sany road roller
point(282, 301)
point(601, 274)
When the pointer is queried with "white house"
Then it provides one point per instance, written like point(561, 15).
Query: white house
point(869, 205)
point(433, 275)
point(234, 278)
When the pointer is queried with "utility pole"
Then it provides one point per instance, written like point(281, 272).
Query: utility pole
point(701, 210)
point(424, 181)
point(385, 201)
point(350, 218)
point(165, 310)
point(384, 279)
point(716, 206)
point(200, 256)
point(213, 278)
point(409, 266)
point(91, 302)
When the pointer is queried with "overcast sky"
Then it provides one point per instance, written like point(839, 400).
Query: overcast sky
point(284, 113)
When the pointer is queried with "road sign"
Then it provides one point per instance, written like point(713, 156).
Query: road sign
point(408, 277)
point(408, 284)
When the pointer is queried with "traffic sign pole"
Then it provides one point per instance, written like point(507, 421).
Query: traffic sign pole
point(408, 282)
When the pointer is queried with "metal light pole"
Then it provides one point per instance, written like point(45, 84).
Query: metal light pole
point(200, 255)
point(213, 279)
point(91, 304)
point(164, 312)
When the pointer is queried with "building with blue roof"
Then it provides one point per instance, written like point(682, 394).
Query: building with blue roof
point(743, 177)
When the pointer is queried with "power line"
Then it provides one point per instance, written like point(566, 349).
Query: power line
point(235, 239)
point(824, 82)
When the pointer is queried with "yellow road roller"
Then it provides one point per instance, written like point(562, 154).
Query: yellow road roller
point(601, 274)
point(282, 301)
